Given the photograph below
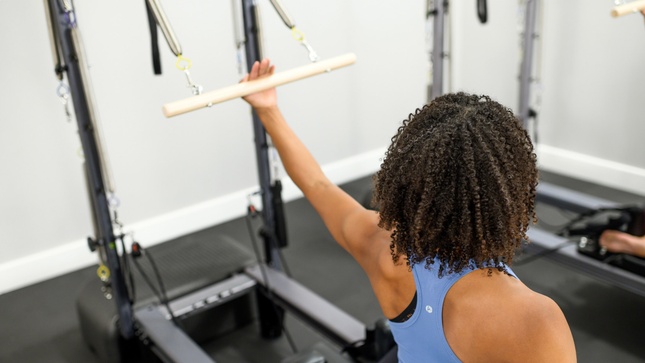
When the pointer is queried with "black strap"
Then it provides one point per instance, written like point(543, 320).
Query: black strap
point(407, 312)
point(482, 11)
point(156, 61)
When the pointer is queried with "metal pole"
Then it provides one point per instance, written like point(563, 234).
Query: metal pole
point(271, 316)
point(253, 53)
point(64, 22)
point(527, 62)
point(438, 49)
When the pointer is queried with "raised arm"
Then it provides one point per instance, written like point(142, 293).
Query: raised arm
point(351, 225)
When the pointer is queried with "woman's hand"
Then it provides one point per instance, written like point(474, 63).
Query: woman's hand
point(263, 99)
point(619, 242)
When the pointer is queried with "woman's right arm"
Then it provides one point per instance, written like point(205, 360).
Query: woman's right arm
point(352, 226)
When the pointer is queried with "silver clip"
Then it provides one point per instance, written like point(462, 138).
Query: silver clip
point(313, 56)
point(195, 88)
point(63, 94)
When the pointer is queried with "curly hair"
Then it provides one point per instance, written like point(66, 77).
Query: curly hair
point(458, 184)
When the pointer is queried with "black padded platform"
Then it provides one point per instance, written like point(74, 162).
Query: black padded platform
point(186, 265)
point(191, 263)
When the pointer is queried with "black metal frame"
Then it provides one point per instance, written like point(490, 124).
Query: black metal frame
point(524, 113)
point(438, 13)
point(63, 26)
point(271, 315)
point(271, 199)
point(167, 341)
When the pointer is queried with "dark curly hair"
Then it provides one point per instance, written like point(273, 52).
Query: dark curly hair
point(458, 184)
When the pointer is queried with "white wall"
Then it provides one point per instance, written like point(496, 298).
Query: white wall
point(591, 118)
point(180, 175)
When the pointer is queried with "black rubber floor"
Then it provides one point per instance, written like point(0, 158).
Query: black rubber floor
point(39, 324)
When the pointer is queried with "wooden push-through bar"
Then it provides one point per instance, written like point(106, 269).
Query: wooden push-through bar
point(246, 88)
point(628, 8)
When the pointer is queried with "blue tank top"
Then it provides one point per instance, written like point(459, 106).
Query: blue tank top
point(421, 337)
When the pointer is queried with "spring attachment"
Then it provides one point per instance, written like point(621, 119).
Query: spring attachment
point(184, 64)
point(298, 35)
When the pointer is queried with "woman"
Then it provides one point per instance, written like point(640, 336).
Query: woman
point(455, 193)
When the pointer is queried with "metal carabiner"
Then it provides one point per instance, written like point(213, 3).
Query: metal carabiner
point(299, 36)
point(313, 56)
point(194, 88)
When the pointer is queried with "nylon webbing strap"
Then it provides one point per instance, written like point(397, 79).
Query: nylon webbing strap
point(156, 61)
point(482, 11)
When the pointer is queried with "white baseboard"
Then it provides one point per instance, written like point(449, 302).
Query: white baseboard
point(74, 255)
point(590, 168)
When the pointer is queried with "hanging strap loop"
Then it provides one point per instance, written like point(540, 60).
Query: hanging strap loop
point(154, 40)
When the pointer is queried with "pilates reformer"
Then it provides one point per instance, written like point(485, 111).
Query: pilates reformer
point(224, 285)
point(282, 290)
point(107, 310)
point(582, 253)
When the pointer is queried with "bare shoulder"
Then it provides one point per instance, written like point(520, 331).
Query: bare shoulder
point(546, 330)
point(497, 318)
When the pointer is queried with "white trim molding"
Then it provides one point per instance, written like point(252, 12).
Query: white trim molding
point(593, 169)
point(75, 255)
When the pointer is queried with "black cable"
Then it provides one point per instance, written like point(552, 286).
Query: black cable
point(565, 229)
point(541, 254)
point(558, 227)
point(265, 277)
point(566, 213)
point(272, 239)
point(162, 288)
point(127, 270)
point(353, 345)
point(561, 232)
point(165, 301)
point(612, 258)
point(562, 212)
point(162, 296)
point(147, 279)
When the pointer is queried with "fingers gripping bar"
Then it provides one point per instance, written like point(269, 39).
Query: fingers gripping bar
point(246, 88)
point(628, 8)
